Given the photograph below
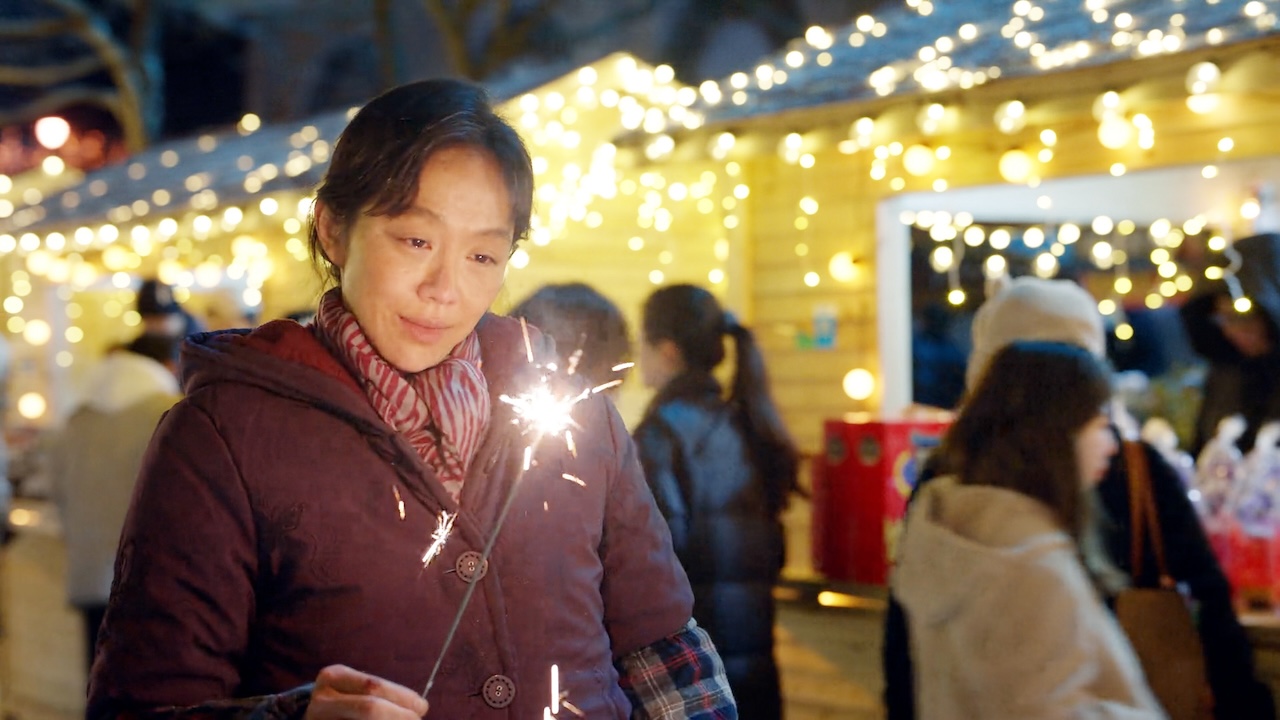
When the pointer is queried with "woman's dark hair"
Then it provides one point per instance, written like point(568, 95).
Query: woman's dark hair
point(1017, 430)
point(379, 156)
point(579, 318)
point(692, 319)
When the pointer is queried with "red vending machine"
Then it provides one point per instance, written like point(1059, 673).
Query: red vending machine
point(861, 483)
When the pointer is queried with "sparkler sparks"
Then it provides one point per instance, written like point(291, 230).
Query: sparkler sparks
point(444, 526)
point(559, 698)
point(399, 501)
point(541, 412)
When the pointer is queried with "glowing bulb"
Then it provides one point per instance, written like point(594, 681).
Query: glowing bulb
point(520, 259)
point(1015, 166)
point(32, 406)
point(52, 132)
point(1203, 78)
point(918, 160)
point(37, 332)
point(956, 297)
point(859, 384)
point(1115, 132)
point(842, 267)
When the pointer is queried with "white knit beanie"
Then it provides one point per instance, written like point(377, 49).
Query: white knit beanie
point(1030, 308)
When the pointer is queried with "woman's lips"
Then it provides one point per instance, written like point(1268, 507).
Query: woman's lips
point(423, 332)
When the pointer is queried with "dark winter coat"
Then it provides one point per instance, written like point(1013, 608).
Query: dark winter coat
point(1237, 694)
point(1235, 383)
point(698, 465)
point(266, 541)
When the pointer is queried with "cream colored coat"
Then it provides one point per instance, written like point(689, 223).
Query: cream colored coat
point(94, 461)
point(1004, 621)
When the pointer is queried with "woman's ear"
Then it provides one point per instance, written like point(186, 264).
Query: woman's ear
point(671, 355)
point(332, 234)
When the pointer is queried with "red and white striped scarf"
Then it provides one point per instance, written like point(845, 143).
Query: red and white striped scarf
point(442, 411)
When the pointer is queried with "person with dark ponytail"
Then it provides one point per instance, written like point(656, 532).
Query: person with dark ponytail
point(722, 470)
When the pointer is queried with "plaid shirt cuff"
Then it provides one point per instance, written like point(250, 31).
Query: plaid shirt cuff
point(679, 677)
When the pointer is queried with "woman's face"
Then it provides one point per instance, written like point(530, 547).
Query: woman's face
point(1095, 445)
point(659, 362)
point(420, 281)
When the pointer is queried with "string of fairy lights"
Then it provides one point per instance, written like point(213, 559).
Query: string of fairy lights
point(628, 151)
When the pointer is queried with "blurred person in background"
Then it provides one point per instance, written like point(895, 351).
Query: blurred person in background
point(6, 486)
point(1031, 308)
point(94, 461)
point(722, 469)
point(161, 313)
point(1005, 620)
point(582, 322)
point(1242, 348)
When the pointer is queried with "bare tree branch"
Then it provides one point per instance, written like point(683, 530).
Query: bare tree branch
point(53, 101)
point(140, 29)
point(386, 44)
point(50, 74)
point(511, 39)
point(123, 73)
point(453, 29)
point(15, 29)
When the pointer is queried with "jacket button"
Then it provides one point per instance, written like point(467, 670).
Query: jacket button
point(499, 691)
point(470, 566)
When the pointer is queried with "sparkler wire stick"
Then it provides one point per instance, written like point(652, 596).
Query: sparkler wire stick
point(484, 558)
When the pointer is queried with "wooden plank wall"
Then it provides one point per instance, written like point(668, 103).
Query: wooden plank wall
point(807, 383)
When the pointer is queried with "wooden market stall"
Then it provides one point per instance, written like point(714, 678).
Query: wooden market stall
point(841, 138)
point(222, 217)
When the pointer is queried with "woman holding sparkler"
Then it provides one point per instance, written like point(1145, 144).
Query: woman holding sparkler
point(341, 511)
point(722, 471)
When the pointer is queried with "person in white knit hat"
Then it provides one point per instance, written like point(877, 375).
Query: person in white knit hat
point(1030, 308)
point(1061, 311)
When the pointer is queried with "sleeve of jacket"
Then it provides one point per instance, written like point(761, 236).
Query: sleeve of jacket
point(646, 593)
point(659, 456)
point(176, 632)
point(1228, 655)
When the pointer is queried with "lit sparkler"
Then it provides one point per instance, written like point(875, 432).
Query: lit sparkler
point(542, 413)
point(559, 698)
point(444, 526)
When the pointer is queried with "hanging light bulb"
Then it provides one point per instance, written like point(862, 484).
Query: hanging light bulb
point(1016, 166)
point(1202, 78)
point(1114, 132)
point(1011, 117)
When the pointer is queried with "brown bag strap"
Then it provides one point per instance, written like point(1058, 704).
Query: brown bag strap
point(1144, 520)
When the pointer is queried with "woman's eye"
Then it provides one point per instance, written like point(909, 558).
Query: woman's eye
point(485, 259)
point(416, 242)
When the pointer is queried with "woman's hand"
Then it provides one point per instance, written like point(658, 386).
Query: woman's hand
point(345, 694)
